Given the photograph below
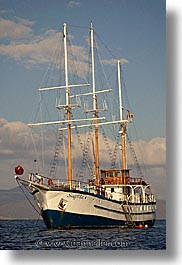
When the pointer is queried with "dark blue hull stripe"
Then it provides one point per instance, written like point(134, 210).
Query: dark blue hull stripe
point(65, 220)
point(121, 212)
point(106, 209)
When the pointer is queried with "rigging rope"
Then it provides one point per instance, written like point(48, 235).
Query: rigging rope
point(107, 144)
point(85, 148)
point(113, 165)
point(59, 143)
point(27, 197)
point(139, 170)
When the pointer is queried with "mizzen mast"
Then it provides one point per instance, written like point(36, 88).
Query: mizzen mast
point(123, 128)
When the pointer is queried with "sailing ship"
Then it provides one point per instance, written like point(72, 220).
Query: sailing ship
point(111, 197)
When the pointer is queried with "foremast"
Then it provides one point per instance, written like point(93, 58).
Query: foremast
point(95, 109)
point(68, 109)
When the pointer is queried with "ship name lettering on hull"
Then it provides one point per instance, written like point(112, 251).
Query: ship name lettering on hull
point(76, 196)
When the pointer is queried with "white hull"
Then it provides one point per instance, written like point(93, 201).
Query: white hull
point(70, 209)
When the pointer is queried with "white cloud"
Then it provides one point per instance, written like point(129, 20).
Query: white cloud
point(16, 147)
point(40, 50)
point(37, 49)
point(72, 4)
point(6, 11)
point(15, 30)
point(114, 61)
point(12, 136)
point(2, 122)
point(24, 21)
point(153, 152)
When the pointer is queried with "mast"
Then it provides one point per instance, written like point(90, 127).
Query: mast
point(123, 129)
point(96, 157)
point(68, 110)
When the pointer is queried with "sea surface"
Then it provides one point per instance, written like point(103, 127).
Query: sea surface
point(33, 235)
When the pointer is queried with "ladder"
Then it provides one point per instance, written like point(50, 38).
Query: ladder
point(139, 170)
point(128, 215)
point(59, 145)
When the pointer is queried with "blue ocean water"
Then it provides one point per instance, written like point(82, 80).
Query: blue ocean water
point(33, 235)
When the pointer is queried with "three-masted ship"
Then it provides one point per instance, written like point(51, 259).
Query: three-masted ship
point(111, 197)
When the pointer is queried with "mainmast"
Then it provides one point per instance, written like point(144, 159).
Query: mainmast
point(95, 110)
point(123, 128)
point(68, 109)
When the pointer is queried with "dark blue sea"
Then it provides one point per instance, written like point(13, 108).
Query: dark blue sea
point(33, 235)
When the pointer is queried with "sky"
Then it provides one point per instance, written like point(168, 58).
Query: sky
point(131, 29)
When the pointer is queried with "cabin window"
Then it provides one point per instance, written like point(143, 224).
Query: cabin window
point(138, 191)
point(103, 174)
point(112, 189)
point(117, 174)
point(110, 174)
